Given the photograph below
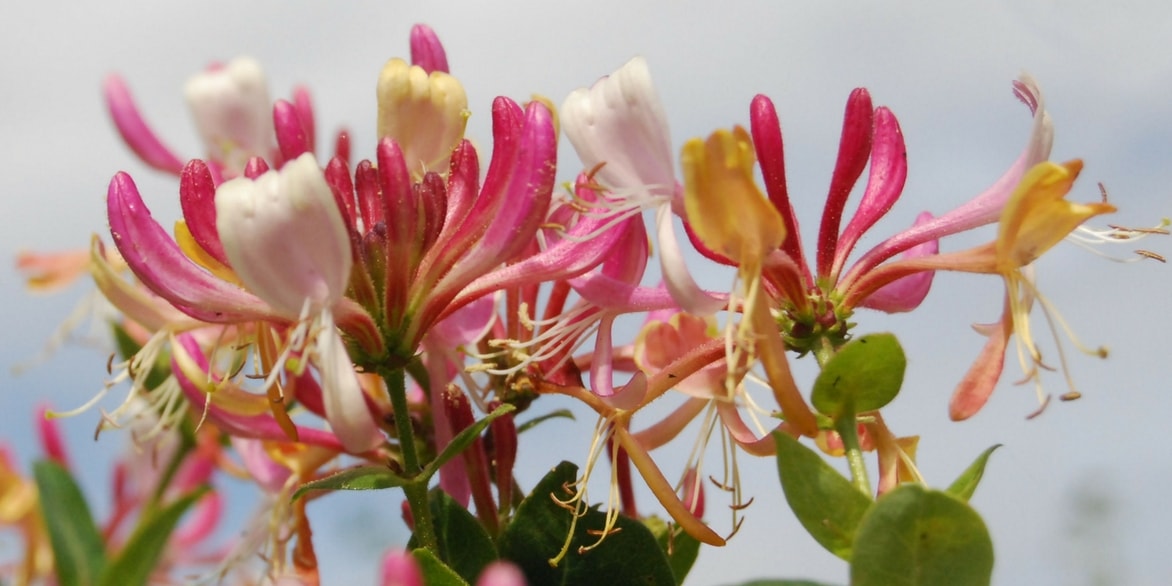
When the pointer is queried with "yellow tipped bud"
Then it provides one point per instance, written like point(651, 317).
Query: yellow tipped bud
point(425, 113)
point(725, 208)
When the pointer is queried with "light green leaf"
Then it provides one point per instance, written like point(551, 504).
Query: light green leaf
point(864, 375)
point(966, 484)
point(79, 553)
point(825, 502)
point(915, 536)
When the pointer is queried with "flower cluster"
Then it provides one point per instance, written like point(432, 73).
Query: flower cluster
point(318, 322)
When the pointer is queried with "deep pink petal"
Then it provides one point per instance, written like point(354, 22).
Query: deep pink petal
point(292, 138)
point(767, 141)
point(853, 149)
point(304, 105)
point(884, 184)
point(158, 262)
point(426, 49)
point(197, 199)
point(134, 130)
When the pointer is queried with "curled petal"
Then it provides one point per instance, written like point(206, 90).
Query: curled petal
point(676, 277)
point(134, 130)
point(766, 129)
point(292, 138)
point(906, 293)
point(158, 262)
point(197, 199)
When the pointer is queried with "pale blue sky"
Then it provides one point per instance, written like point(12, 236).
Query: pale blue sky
point(943, 68)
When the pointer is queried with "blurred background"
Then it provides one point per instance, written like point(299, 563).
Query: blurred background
point(1072, 497)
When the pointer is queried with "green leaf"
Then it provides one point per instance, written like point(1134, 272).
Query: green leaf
point(965, 485)
point(359, 478)
point(680, 548)
point(435, 573)
point(463, 440)
point(79, 552)
point(629, 555)
point(462, 541)
point(825, 502)
point(864, 375)
point(560, 413)
point(915, 536)
point(138, 558)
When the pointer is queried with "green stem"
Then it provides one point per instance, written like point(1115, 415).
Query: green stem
point(848, 430)
point(416, 490)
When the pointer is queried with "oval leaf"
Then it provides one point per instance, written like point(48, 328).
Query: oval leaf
point(965, 485)
point(79, 554)
point(914, 536)
point(864, 375)
point(825, 502)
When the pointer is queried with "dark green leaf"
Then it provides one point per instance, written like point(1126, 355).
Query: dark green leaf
point(965, 485)
point(435, 573)
point(78, 549)
point(138, 558)
point(360, 478)
point(560, 413)
point(462, 541)
point(914, 536)
point(825, 502)
point(629, 555)
point(464, 439)
point(680, 548)
point(864, 375)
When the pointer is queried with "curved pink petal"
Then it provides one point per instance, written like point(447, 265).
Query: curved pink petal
point(292, 138)
point(134, 130)
point(884, 184)
point(158, 262)
point(303, 103)
point(907, 293)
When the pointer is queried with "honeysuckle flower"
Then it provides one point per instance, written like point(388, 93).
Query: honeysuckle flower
point(1035, 218)
point(288, 243)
